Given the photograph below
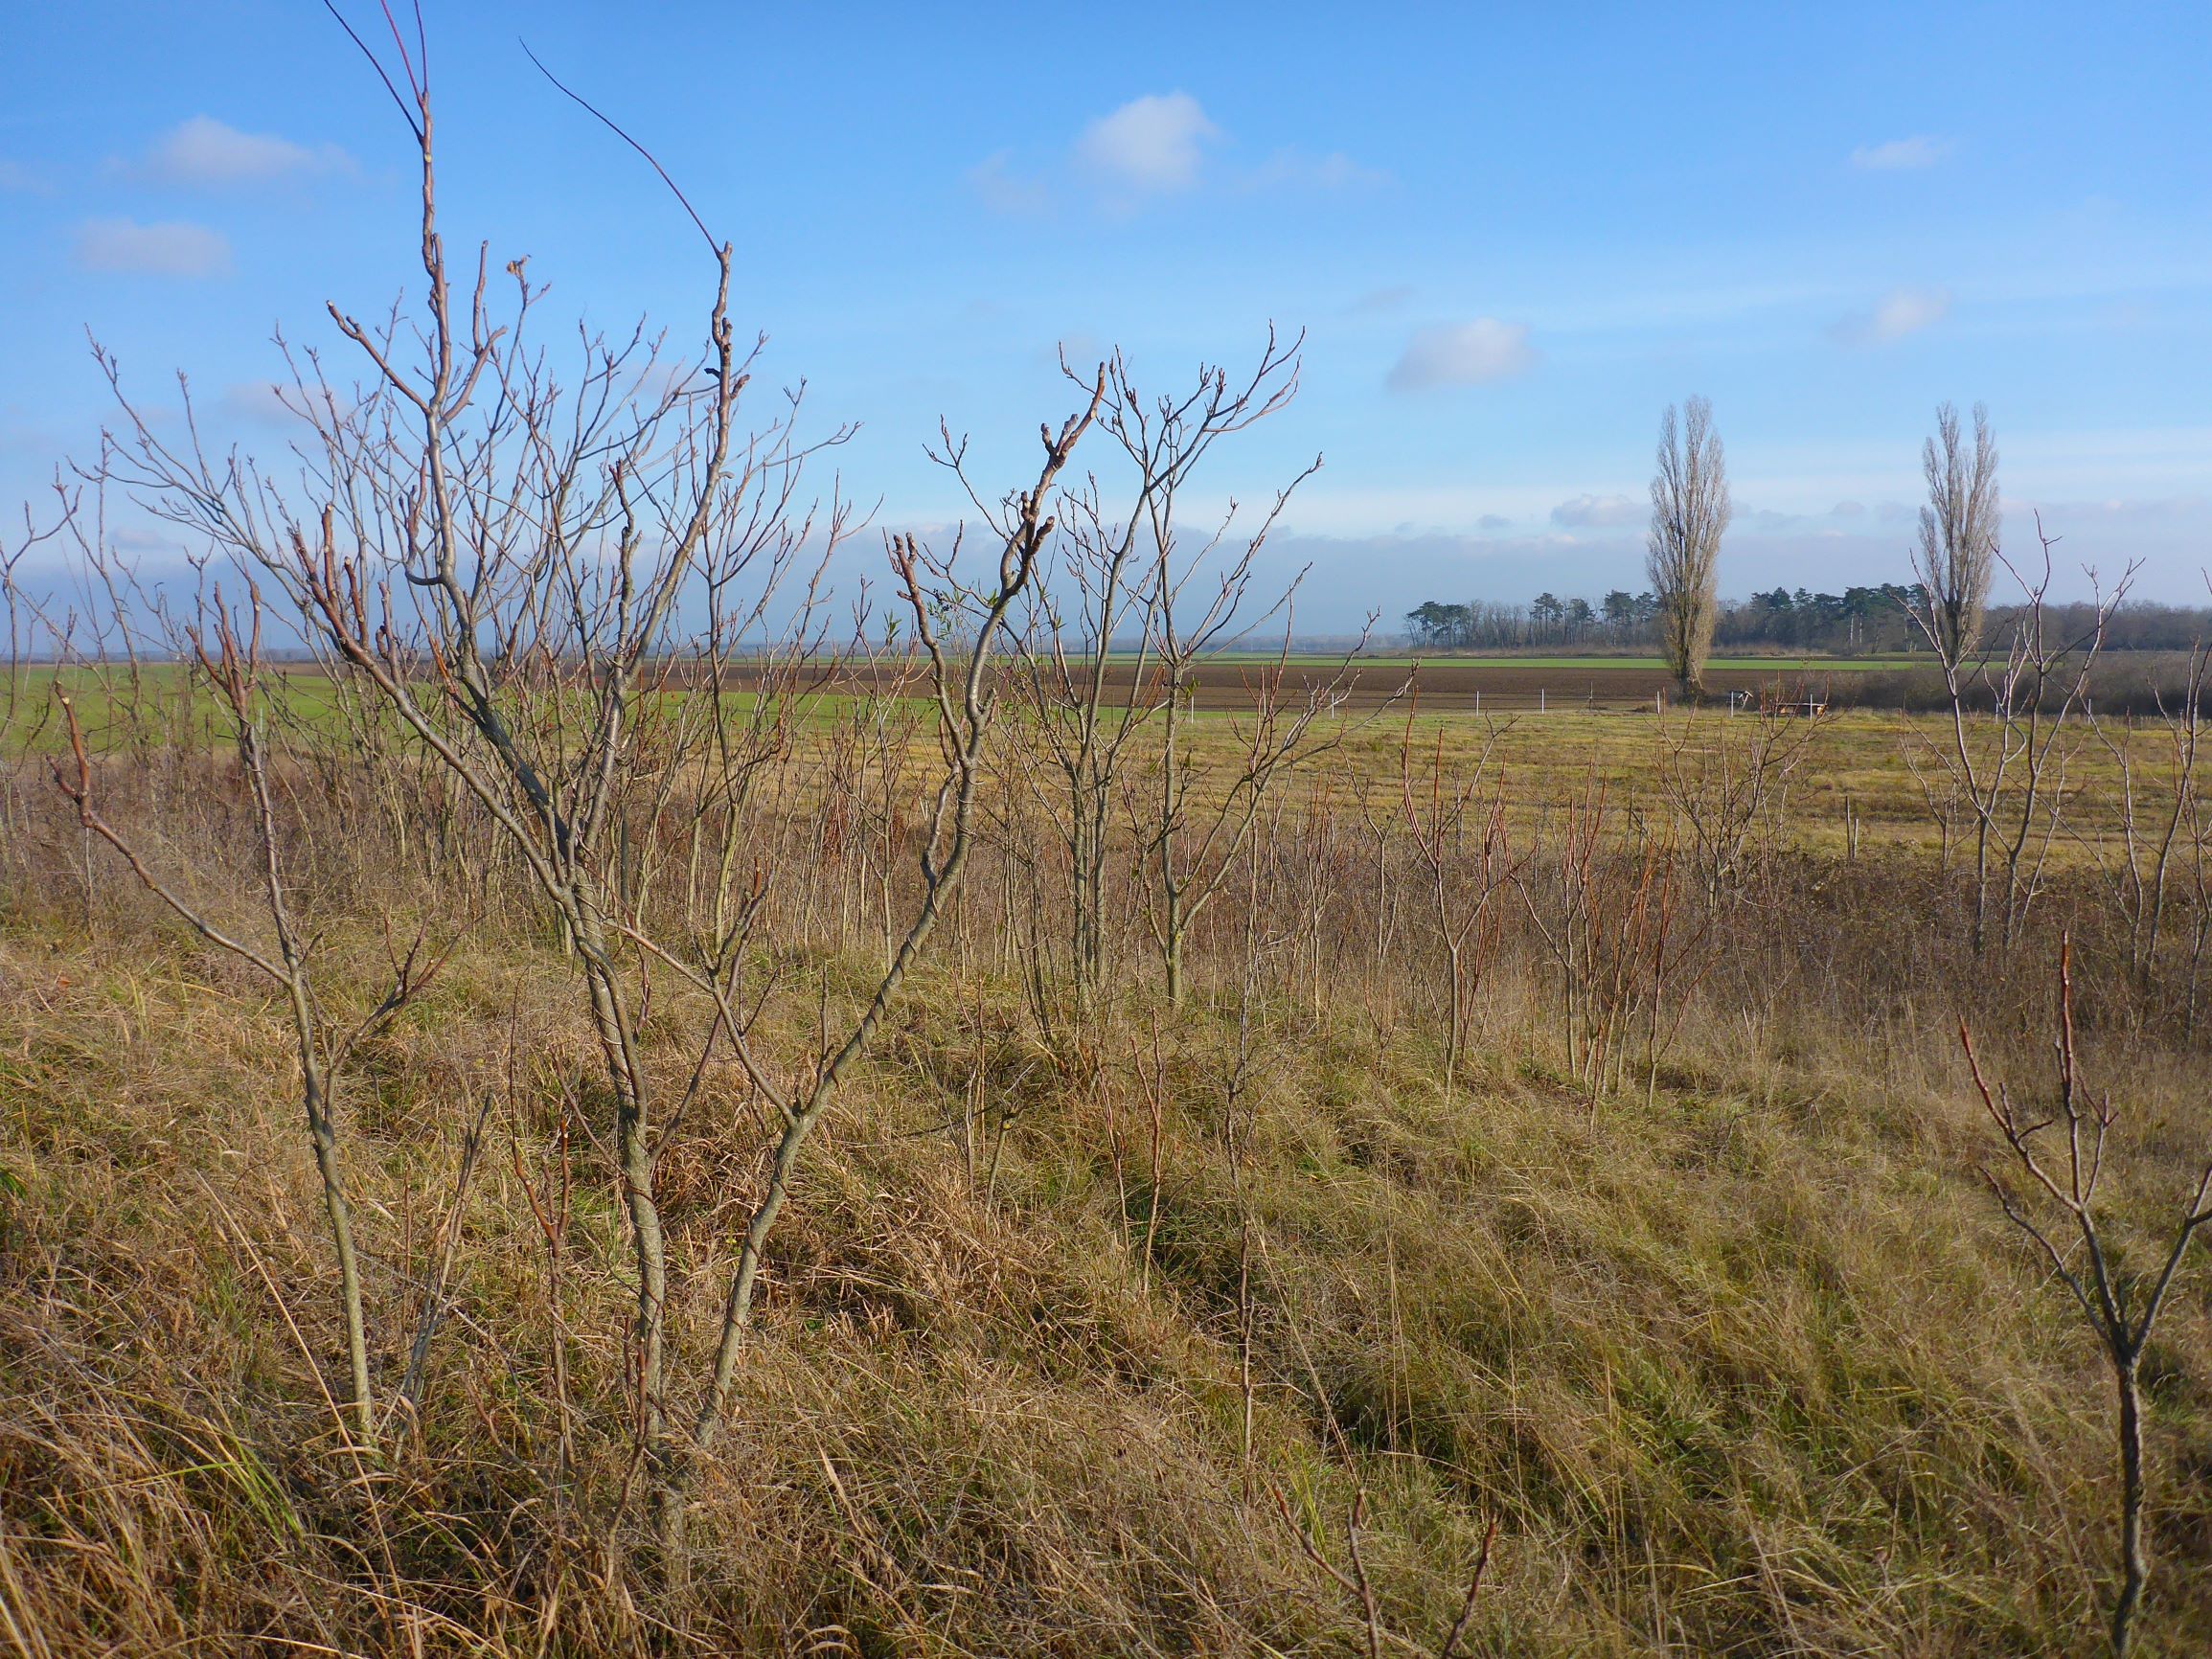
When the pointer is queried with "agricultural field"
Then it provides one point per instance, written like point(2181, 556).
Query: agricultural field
point(1512, 684)
point(1847, 779)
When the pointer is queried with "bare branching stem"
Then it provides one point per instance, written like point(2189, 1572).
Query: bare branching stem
point(2077, 1240)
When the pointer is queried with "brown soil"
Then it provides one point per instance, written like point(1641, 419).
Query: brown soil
point(1441, 687)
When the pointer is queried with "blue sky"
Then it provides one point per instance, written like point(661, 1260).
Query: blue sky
point(1514, 234)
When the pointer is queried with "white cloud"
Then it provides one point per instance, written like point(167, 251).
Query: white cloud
point(1463, 354)
point(1597, 512)
point(1902, 311)
point(1004, 191)
point(1158, 145)
point(1899, 154)
point(205, 153)
point(1149, 145)
point(160, 250)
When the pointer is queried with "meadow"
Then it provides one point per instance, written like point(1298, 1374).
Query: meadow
point(565, 1089)
point(1552, 1164)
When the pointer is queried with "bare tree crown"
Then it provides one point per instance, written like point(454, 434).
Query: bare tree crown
point(1690, 512)
point(1957, 552)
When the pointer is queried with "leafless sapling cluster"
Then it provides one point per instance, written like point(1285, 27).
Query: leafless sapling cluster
point(1727, 786)
point(563, 591)
point(1456, 819)
point(231, 664)
point(2009, 773)
point(1105, 653)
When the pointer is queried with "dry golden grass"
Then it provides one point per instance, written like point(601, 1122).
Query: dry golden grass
point(1745, 1362)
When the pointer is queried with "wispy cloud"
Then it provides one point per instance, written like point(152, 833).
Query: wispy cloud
point(17, 179)
point(1005, 191)
point(1150, 145)
point(1900, 154)
point(1294, 169)
point(1597, 512)
point(1473, 354)
point(1381, 302)
point(158, 250)
point(204, 153)
point(1902, 311)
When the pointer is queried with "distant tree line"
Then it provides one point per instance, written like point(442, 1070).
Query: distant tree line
point(1875, 621)
point(1859, 619)
point(1486, 624)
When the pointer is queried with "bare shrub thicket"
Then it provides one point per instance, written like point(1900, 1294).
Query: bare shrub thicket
point(1728, 788)
point(2156, 866)
point(564, 593)
point(1177, 1157)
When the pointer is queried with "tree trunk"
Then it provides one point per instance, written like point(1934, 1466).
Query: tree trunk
point(325, 1139)
point(2134, 1567)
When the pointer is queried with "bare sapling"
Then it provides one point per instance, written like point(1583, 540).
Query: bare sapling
point(506, 562)
point(2011, 772)
point(110, 616)
point(2158, 802)
point(232, 668)
point(1381, 815)
point(19, 705)
point(2194, 892)
point(1354, 1580)
point(1668, 941)
point(100, 621)
point(1321, 869)
point(1240, 1099)
point(1028, 939)
point(1560, 895)
point(1727, 784)
point(1458, 828)
point(2058, 1151)
point(1084, 706)
point(1204, 805)
point(1608, 909)
point(1198, 603)
point(1106, 652)
point(963, 692)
